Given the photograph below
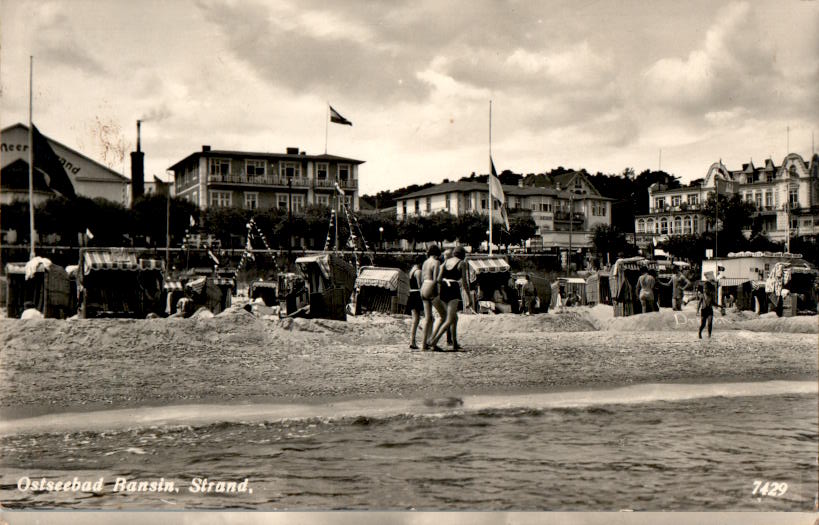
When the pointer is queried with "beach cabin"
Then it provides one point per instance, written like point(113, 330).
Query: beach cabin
point(489, 278)
point(598, 290)
point(570, 290)
point(116, 282)
point(384, 290)
point(623, 283)
point(213, 292)
point(40, 282)
point(330, 281)
point(738, 268)
point(792, 288)
point(267, 291)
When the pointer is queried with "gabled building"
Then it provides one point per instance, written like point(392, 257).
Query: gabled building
point(225, 178)
point(786, 198)
point(89, 177)
point(575, 207)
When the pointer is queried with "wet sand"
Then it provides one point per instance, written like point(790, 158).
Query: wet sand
point(60, 366)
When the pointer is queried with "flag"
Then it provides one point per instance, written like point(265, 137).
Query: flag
point(495, 188)
point(215, 260)
point(48, 163)
point(336, 117)
point(339, 189)
point(505, 217)
point(89, 234)
point(193, 221)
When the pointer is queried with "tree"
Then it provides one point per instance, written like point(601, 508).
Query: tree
point(734, 214)
point(472, 229)
point(522, 227)
point(687, 247)
point(609, 242)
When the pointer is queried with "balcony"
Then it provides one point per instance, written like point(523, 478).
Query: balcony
point(331, 183)
point(565, 216)
point(255, 180)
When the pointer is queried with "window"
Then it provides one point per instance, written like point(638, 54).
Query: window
point(768, 199)
point(289, 169)
point(428, 204)
point(659, 203)
point(792, 171)
point(769, 177)
point(749, 197)
point(641, 226)
point(650, 226)
point(404, 207)
point(321, 171)
point(794, 224)
point(251, 200)
point(324, 200)
point(793, 196)
point(343, 171)
point(483, 203)
point(758, 199)
point(254, 168)
point(693, 198)
point(298, 202)
point(695, 224)
point(349, 200)
point(468, 203)
point(417, 206)
point(664, 226)
point(219, 166)
point(687, 225)
point(220, 199)
point(447, 202)
point(677, 225)
point(578, 184)
point(281, 201)
point(676, 200)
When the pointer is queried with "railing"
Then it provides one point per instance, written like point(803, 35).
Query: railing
point(269, 180)
point(681, 208)
point(565, 216)
point(331, 183)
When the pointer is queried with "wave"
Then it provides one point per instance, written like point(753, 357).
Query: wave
point(370, 411)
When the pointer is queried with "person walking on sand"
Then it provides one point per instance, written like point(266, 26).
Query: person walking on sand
point(415, 305)
point(706, 308)
point(645, 290)
point(452, 278)
point(429, 290)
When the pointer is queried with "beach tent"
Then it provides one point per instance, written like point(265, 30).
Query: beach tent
point(173, 291)
point(294, 297)
point(383, 290)
point(330, 281)
point(268, 291)
point(623, 282)
point(115, 282)
point(487, 275)
point(213, 292)
point(597, 288)
point(40, 282)
point(568, 287)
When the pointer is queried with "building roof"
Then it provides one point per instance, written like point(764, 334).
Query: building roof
point(72, 150)
point(516, 191)
point(266, 155)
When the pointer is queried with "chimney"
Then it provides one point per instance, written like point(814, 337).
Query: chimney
point(292, 151)
point(205, 148)
point(137, 169)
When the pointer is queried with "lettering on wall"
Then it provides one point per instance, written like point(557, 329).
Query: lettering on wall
point(67, 165)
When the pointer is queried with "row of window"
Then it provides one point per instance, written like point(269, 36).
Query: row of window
point(256, 168)
point(676, 200)
point(224, 199)
point(680, 225)
point(756, 197)
point(598, 209)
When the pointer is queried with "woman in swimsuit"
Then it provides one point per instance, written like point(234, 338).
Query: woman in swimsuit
point(452, 277)
point(429, 289)
point(415, 305)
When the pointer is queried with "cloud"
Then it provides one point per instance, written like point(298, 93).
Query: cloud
point(59, 44)
point(732, 68)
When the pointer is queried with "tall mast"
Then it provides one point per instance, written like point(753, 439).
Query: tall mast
point(31, 154)
point(489, 181)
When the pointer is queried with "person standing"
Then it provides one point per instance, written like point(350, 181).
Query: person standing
point(414, 304)
point(645, 290)
point(429, 290)
point(451, 278)
point(706, 308)
point(679, 283)
point(529, 294)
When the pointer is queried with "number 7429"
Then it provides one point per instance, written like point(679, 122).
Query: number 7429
point(769, 488)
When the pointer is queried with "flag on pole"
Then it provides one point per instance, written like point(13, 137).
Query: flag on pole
point(193, 221)
point(495, 187)
point(336, 117)
point(48, 163)
point(89, 234)
point(339, 189)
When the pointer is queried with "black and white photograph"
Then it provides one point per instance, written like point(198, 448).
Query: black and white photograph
point(410, 262)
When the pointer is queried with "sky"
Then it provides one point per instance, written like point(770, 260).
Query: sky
point(600, 85)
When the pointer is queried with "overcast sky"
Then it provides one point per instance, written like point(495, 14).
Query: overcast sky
point(595, 84)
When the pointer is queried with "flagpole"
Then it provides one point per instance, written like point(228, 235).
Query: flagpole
point(168, 232)
point(488, 180)
point(31, 153)
point(326, 126)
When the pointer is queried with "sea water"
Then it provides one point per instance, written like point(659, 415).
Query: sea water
point(746, 446)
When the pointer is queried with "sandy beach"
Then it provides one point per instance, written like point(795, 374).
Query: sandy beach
point(56, 366)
